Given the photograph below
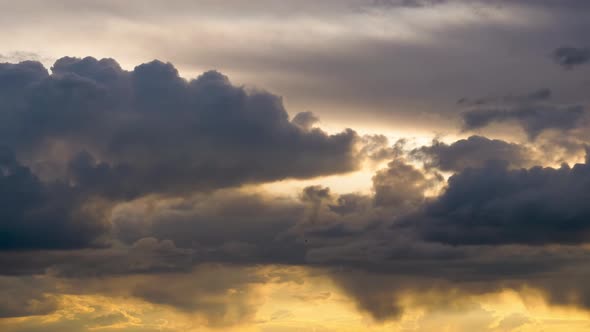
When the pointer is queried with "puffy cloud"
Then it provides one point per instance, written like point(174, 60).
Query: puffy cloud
point(377, 148)
point(401, 184)
point(91, 134)
point(376, 259)
point(496, 205)
point(473, 152)
point(91, 140)
point(152, 124)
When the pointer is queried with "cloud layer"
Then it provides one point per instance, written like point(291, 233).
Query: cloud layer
point(143, 185)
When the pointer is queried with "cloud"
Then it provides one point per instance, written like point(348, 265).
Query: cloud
point(533, 96)
point(533, 112)
point(135, 176)
point(305, 120)
point(224, 226)
point(400, 184)
point(407, 3)
point(212, 295)
point(534, 119)
point(45, 216)
point(363, 246)
point(90, 134)
point(225, 296)
point(569, 57)
point(150, 123)
point(473, 152)
point(26, 296)
point(496, 205)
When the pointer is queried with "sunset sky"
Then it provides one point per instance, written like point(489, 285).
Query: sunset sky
point(305, 165)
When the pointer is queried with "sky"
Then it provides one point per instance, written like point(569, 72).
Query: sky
point(281, 166)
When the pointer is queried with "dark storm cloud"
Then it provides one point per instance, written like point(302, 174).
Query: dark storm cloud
point(355, 237)
point(473, 152)
point(37, 215)
point(152, 124)
point(489, 230)
point(14, 81)
point(569, 57)
point(386, 295)
point(533, 111)
point(222, 226)
point(382, 272)
point(496, 205)
point(227, 226)
point(120, 135)
point(379, 66)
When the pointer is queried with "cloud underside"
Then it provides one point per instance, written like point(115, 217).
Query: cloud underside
point(137, 177)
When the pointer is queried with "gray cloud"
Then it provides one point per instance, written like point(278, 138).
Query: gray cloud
point(534, 119)
point(26, 296)
point(570, 57)
point(380, 58)
point(121, 135)
point(400, 184)
point(38, 215)
point(118, 136)
point(220, 295)
point(305, 120)
point(533, 96)
point(356, 240)
point(473, 152)
point(495, 205)
point(150, 123)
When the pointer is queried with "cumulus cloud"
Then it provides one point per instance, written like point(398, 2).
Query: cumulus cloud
point(496, 205)
point(473, 152)
point(151, 123)
point(380, 252)
point(401, 184)
point(36, 215)
point(91, 133)
point(134, 176)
